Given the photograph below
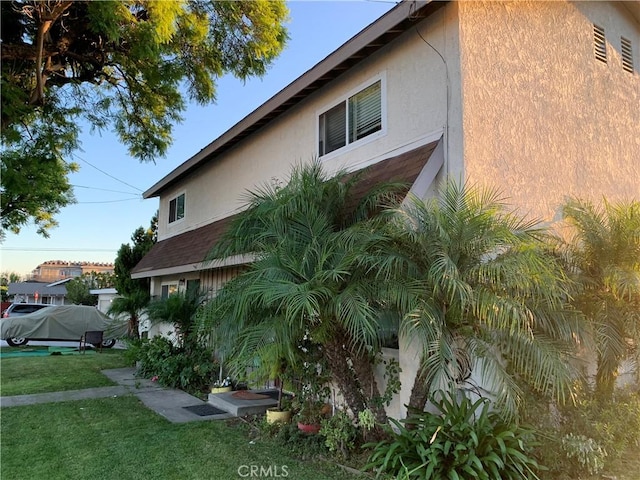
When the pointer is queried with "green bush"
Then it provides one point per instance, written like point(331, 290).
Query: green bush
point(340, 434)
point(174, 367)
point(299, 444)
point(587, 436)
point(466, 440)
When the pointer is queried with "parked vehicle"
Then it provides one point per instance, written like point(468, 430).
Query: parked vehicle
point(18, 309)
point(59, 323)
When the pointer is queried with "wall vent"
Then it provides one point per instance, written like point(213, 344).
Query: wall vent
point(599, 44)
point(627, 54)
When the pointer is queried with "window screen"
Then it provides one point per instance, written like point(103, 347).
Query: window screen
point(357, 117)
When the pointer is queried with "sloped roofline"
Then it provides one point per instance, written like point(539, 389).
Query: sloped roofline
point(378, 34)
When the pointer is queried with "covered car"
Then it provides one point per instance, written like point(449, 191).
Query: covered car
point(61, 323)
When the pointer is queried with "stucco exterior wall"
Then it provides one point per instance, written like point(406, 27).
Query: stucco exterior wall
point(414, 99)
point(542, 118)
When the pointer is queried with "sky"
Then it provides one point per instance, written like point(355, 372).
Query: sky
point(109, 186)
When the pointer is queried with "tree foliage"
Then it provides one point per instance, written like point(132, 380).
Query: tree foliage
point(604, 252)
point(309, 280)
point(487, 296)
point(78, 289)
point(133, 294)
point(129, 255)
point(129, 65)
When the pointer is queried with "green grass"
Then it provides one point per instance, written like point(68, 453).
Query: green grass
point(55, 373)
point(119, 438)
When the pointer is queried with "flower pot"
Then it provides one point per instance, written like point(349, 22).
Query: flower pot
point(220, 389)
point(274, 415)
point(310, 428)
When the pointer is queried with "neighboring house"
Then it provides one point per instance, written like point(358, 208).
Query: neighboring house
point(38, 292)
point(538, 99)
point(53, 270)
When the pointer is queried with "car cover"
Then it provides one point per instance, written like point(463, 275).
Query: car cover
point(64, 322)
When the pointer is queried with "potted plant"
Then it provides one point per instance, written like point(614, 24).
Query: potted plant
point(282, 411)
point(221, 385)
point(310, 416)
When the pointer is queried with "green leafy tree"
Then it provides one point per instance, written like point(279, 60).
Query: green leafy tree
point(133, 294)
point(78, 289)
point(5, 279)
point(129, 255)
point(605, 254)
point(309, 280)
point(129, 65)
point(488, 296)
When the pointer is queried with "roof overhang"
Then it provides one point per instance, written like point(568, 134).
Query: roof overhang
point(187, 252)
point(377, 35)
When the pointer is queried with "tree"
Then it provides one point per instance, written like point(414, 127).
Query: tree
point(487, 295)
point(134, 294)
point(309, 280)
point(604, 251)
point(129, 65)
point(129, 255)
point(78, 289)
point(5, 279)
point(132, 305)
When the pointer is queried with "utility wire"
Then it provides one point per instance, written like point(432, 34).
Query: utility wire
point(109, 201)
point(105, 173)
point(103, 189)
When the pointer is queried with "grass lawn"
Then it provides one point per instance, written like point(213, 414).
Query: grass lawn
point(55, 373)
point(119, 438)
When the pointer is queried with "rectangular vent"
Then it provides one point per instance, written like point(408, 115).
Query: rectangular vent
point(627, 54)
point(599, 44)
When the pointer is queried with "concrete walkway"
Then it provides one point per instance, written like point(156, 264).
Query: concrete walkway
point(169, 403)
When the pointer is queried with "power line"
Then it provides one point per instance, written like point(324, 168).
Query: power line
point(102, 189)
point(105, 173)
point(109, 201)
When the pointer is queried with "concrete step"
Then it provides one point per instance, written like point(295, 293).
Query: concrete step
point(239, 406)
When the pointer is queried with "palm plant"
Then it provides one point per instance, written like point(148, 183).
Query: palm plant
point(605, 253)
point(179, 309)
point(487, 296)
point(307, 279)
point(132, 305)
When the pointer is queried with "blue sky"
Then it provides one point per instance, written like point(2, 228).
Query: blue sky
point(110, 183)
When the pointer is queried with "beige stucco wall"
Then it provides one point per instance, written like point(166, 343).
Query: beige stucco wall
point(415, 101)
point(543, 119)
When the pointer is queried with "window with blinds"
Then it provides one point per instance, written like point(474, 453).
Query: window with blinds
point(356, 117)
point(176, 208)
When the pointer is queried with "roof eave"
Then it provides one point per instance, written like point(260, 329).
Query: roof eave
point(394, 22)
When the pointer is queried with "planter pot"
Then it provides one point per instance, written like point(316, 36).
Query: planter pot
point(274, 416)
point(220, 389)
point(310, 428)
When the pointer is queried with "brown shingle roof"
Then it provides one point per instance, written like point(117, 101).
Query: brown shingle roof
point(190, 248)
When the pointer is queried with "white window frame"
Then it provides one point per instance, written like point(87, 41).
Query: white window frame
point(184, 213)
point(382, 78)
point(169, 285)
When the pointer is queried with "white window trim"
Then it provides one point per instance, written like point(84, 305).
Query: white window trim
point(168, 285)
point(382, 77)
point(175, 197)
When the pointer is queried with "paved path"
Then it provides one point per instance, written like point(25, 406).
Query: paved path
point(167, 402)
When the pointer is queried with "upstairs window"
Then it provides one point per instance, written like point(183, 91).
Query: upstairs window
point(176, 208)
point(354, 118)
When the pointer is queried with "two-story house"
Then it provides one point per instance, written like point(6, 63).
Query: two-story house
point(538, 99)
